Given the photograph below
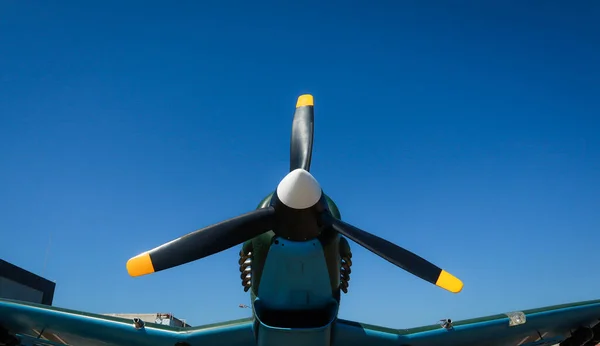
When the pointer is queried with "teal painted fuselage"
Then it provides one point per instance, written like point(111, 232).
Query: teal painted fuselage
point(295, 283)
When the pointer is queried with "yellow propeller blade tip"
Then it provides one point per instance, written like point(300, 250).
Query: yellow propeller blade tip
point(140, 265)
point(305, 100)
point(449, 282)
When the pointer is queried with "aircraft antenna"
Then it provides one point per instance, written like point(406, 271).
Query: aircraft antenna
point(47, 253)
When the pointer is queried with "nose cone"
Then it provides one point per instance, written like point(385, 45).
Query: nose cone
point(299, 190)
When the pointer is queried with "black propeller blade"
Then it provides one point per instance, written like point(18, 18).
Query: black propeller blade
point(298, 211)
point(399, 256)
point(302, 133)
point(203, 242)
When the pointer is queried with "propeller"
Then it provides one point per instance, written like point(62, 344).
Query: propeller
point(298, 211)
point(202, 243)
point(302, 133)
point(399, 256)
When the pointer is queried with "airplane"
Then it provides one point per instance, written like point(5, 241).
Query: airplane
point(295, 261)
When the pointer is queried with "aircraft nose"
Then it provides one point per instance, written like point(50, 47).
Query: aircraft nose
point(299, 190)
point(298, 203)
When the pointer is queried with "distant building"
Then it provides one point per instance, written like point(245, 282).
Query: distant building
point(20, 284)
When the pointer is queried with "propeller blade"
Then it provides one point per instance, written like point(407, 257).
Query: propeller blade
point(400, 257)
point(302, 133)
point(203, 242)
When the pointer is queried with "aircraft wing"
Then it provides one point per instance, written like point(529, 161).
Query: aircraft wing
point(59, 326)
point(546, 326)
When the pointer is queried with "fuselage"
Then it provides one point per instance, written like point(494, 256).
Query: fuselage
point(295, 285)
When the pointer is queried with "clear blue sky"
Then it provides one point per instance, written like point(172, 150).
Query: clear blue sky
point(467, 134)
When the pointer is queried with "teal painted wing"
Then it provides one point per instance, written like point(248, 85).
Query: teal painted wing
point(545, 326)
point(69, 327)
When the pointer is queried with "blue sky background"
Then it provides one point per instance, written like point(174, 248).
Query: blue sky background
point(466, 133)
